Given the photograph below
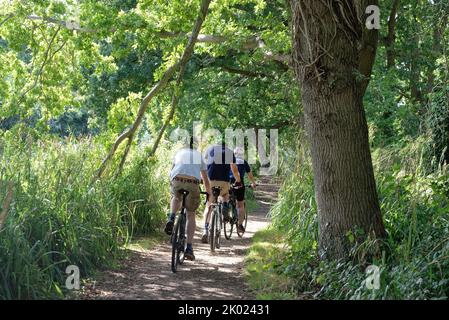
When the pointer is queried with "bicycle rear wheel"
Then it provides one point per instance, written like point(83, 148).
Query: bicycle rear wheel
point(178, 243)
point(182, 239)
point(245, 223)
point(212, 231)
point(229, 226)
point(218, 224)
point(175, 245)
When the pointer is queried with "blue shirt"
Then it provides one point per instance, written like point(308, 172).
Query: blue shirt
point(219, 161)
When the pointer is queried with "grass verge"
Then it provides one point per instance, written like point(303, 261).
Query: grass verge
point(262, 275)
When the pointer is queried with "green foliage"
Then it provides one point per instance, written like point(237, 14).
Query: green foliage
point(268, 246)
point(438, 127)
point(415, 208)
point(89, 82)
point(122, 113)
point(59, 217)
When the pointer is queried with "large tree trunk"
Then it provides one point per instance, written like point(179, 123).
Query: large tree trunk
point(333, 57)
point(391, 36)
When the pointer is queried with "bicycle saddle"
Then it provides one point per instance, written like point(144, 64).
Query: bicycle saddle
point(184, 192)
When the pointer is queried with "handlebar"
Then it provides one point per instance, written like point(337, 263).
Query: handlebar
point(246, 186)
point(207, 194)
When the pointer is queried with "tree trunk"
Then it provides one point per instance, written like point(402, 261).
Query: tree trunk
point(415, 69)
point(391, 36)
point(439, 27)
point(332, 49)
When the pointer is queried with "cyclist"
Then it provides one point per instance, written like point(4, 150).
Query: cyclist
point(220, 160)
point(188, 168)
point(239, 191)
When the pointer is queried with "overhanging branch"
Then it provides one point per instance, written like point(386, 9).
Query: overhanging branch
point(188, 51)
point(251, 43)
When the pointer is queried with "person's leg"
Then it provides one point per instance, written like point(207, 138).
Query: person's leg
point(207, 216)
point(240, 195)
point(190, 229)
point(192, 204)
point(224, 196)
point(241, 211)
point(175, 204)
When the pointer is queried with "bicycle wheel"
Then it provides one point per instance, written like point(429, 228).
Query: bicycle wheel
point(212, 232)
point(181, 239)
point(229, 226)
point(218, 224)
point(175, 245)
point(245, 223)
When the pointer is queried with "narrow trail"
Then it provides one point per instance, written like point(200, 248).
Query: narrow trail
point(146, 274)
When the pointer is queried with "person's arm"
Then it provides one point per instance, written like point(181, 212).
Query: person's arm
point(235, 170)
point(252, 179)
point(250, 174)
point(236, 173)
point(206, 181)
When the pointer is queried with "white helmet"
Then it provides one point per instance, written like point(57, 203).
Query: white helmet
point(239, 152)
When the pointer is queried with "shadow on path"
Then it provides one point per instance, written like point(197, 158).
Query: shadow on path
point(146, 274)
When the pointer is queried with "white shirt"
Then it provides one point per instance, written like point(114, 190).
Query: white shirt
point(188, 162)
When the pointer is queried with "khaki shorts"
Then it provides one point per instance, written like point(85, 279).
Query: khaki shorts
point(192, 199)
point(223, 185)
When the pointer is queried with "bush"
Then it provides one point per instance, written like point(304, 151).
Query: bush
point(415, 208)
point(438, 128)
point(60, 217)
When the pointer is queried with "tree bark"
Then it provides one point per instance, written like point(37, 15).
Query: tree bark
point(415, 70)
point(391, 36)
point(332, 48)
point(439, 27)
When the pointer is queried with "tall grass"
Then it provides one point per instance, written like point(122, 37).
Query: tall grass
point(59, 217)
point(415, 207)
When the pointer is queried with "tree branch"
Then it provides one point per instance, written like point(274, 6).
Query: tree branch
point(245, 73)
point(188, 51)
point(367, 53)
point(391, 36)
point(250, 43)
point(47, 56)
point(8, 17)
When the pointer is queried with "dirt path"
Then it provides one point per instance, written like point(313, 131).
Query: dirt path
point(147, 275)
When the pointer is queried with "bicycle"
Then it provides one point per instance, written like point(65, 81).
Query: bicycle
point(228, 227)
point(178, 238)
point(216, 220)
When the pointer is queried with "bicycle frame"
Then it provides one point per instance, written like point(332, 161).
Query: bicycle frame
point(215, 208)
point(178, 238)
